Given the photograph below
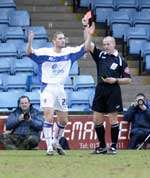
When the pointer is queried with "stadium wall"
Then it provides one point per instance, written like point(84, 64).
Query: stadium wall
point(80, 132)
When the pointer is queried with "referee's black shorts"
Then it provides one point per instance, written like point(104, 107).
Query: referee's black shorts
point(107, 98)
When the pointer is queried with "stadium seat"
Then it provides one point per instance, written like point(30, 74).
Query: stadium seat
point(69, 83)
point(119, 24)
point(33, 83)
point(39, 31)
point(15, 82)
point(13, 33)
point(136, 38)
point(8, 100)
point(79, 101)
point(4, 16)
point(127, 6)
point(103, 9)
point(74, 69)
point(84, 3)
point(8, 50)
point(83, 82)
point(25, 65)
point(144, 6)
point(6, 65)
point(142, 19)
point(7, 4)
point(19, 18)
point(146, 56)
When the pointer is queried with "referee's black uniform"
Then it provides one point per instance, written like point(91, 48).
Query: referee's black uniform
point(107, 97)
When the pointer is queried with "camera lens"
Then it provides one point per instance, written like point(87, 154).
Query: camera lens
point(26, 116)
point(140, 101)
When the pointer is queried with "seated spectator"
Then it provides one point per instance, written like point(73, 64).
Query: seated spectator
point(138, 114)
point(23, 127)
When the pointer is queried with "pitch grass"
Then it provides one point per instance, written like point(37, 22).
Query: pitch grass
point(76, 164)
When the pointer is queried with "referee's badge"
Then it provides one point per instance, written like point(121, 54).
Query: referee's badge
point(114, 66)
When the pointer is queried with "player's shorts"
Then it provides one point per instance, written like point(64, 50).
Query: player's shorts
point(54, 96)
point(107, 98)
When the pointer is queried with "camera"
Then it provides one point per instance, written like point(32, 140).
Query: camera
point(140, 101)
point(26, 116)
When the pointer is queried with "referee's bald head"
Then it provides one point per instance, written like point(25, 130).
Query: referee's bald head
point(109, 39)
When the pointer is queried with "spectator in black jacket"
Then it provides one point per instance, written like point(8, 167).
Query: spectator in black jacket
point(138, 114)
point(23, 126)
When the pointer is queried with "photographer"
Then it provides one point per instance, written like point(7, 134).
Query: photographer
point(138, 114)
point(24, 126)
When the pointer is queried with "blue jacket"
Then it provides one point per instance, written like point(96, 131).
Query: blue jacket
point(24, 128)
point(139, 119)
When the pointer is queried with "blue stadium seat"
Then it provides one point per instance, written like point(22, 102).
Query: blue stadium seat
point(146, 56)
point(1, 84)
point(127, 6)
point(7, 4)
point(4, 18)
point(33, 83)
point(144, 5)
point(9, 100)
point(69, 83)
point(39, 31)
point(83, 82)
point(136, 38)
point(79, 101)
point(15, 82)
point(119, 24)
point(6, 65)
point(142, 19)
point(19, 18)
point(103, 9)
point(84, 3)
point(13, 33)
point(74, 69)
point(25, 65)
point(8, 50)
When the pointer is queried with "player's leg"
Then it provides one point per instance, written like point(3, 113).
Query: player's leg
point(98, 119)
point(59, 126)
point(47, 103)
point(62, 118)
point(48, 128)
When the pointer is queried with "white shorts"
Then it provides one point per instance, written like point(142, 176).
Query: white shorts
point(54, 96)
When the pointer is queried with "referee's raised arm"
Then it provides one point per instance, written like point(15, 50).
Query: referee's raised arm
point(88, 32)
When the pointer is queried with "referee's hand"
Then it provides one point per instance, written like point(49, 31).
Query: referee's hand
point(110, 80)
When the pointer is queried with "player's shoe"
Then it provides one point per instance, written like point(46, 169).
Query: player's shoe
point(100, 150)
point(50, 151)
point(112, 151)
point(58, 149)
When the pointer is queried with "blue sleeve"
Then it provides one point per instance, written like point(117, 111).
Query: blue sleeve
point(37, 121)
point(77, 55)
point(12, 121)
point(129, 114)
point(38, 59)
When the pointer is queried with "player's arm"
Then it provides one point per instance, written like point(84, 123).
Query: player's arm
point(30, 40)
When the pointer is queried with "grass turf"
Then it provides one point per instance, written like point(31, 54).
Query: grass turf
point(75, 164)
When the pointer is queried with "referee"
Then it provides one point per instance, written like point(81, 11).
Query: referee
point(112, 71)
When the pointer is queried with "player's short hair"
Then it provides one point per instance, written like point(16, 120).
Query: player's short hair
point(56, 34)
